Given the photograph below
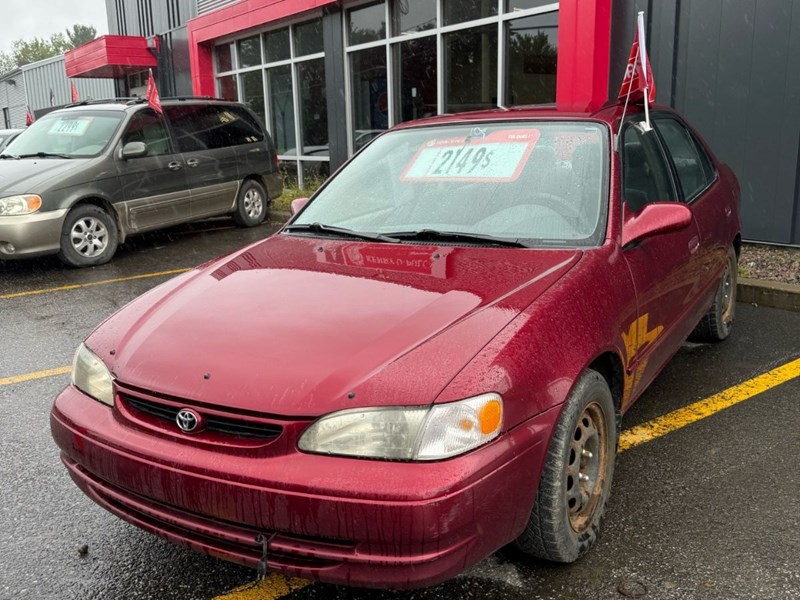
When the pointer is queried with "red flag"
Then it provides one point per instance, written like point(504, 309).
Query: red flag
point(74, 92)
point(29, 118)
point(636, 80)
point(153, 99)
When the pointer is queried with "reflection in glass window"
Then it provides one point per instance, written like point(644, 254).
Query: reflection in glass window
point(276, 44)
point(282, 108)
point(313, 104)
point(308, 38)
point(414, 15)
point(416, 70)
point(471, 69)
point(249, 52)
point(512, 5)
point(228, 89)
point(253, 92)
point(370, 94)
point(367, 24)
point(223, 57)
point(459, 11)
point(532, 52)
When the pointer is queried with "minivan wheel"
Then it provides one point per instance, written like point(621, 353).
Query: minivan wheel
point(251, 204)
point(575, 483)
point(89, 237)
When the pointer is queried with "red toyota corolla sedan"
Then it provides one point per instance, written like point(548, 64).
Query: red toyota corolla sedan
point(431, 359)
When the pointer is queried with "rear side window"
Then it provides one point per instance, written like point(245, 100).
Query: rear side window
point(208, 127)
point(692, 164)
point(645, 174)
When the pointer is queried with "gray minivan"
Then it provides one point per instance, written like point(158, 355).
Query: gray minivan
point(80, 180)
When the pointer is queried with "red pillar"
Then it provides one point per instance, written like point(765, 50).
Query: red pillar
point(584, 50)
point(202, 66)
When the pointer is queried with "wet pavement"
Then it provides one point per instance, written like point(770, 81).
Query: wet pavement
point(708, 511)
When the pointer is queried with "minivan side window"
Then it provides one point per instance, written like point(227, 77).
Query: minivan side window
point(692, 164)
point(148, 127)
point(208, 127)
point(645, 174)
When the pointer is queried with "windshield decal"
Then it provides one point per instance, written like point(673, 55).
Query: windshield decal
point(497, 157)
point(72, 127)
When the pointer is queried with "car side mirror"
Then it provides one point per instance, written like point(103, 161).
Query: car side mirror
point(298, 204)
point(134, 150)
point(654, 219)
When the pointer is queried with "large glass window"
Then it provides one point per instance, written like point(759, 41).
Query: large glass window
point(253, 92)
point(277, 45)
point(228, 88)
point(459, 11)
point(370, 94)
point(282, 108)
point(249, 52)
point(414, 15)
point(471, 69)
point(223, 57)
point(416, 71)
point(308, 38)
point(314, 107)
point(532, 51)
point(366, 24)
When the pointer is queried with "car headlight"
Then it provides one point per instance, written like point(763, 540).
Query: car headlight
point(20, 205)
point(92, 377)
point(408, 433)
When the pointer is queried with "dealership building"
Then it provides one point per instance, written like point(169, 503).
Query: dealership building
point(327, 75)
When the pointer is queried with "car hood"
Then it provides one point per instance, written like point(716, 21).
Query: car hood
point(32, 175)
point(298, 326)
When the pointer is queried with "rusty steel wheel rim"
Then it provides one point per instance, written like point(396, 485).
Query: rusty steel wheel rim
point(586, 468)
point(728, 290)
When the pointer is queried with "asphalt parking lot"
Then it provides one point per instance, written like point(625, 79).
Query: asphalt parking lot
point(705, 509)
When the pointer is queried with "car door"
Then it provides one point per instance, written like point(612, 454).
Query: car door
point(212, 172)
point(154, 186)
point(664, 268)
point(702, 190)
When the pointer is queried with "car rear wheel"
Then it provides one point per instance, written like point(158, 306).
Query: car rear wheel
point(251, 204)
point(716, 325)
point(576, 479)
point(89, 237)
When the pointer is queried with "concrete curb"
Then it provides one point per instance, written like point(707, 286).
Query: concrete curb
point(754, 291)
point(769, 293)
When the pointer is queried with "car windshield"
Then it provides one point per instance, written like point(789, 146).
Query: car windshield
point(73, 134)
point(541, 183)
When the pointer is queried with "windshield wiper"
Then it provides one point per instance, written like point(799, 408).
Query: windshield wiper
point(44, 155)
point(5, 156)
point(339, 231)
point(433, 235)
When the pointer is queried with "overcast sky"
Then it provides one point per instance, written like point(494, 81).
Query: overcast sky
point(27, 19)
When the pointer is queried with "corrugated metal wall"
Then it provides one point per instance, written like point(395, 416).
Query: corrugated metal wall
point(48, 75)
point(206, 6)
point(12, 97)
point(731, 66)
point(148, 17)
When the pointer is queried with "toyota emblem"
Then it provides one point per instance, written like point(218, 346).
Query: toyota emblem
point(187, 420)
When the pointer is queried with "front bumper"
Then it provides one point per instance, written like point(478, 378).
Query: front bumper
point(31, 235)
point(345, 521)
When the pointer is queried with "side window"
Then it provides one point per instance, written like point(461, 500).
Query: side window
point(692, 164)
point(207, 127)
point(146, 126)
point(645, 174)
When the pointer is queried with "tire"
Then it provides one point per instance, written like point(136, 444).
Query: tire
point(716, 325)
point(567, 516)
point(251, 204)
point(89, 237)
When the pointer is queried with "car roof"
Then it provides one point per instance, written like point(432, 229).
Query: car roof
point(129, 104)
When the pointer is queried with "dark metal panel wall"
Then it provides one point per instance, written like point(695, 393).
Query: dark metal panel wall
point(731, 67)
point(335, 85)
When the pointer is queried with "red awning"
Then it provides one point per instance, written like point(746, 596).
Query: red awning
point(110, 56)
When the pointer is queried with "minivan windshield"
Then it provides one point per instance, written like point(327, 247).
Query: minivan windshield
point(530, 183)
point(69, 134)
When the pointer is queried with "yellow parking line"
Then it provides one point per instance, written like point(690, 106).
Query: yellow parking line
point(273, 587)
point(682, 417)
point(37, 375)
point(65, 288)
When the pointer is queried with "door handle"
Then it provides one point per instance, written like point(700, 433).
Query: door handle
point(175, 166)
point(694, 244)
point(192, 162)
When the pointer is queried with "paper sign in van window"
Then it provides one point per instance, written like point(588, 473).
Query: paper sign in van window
point(497, 157)
point(73, 127)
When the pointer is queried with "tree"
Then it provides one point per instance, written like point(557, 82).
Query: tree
point(81, 34)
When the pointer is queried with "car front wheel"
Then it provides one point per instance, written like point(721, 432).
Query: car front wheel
point(89, 237)
point(251, 204)
point(576, 479)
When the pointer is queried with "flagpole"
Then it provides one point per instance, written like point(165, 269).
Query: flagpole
point(643, 62)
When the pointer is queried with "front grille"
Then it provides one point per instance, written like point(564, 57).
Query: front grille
point(164, 412)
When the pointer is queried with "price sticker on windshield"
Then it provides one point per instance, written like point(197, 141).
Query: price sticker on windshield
point(72, 127)
point(497, 157)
